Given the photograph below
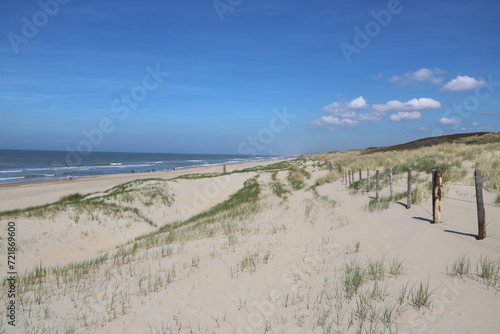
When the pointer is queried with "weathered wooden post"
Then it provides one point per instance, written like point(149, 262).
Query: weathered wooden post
point(368, 180)
point(352, 175)
point(330, 165)
point(377, 184)
point(349, 177)
point(409, 199)
point(345, 176)
point(390, 182)
point(437, 193)
point(481, 219)
point(224, 168)
point(360, 177)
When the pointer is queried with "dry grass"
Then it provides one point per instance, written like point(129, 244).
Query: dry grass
point(328, 178)
point(455, 154)
point(297, 177)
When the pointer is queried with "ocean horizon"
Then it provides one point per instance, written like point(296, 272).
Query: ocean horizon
point(18, 166)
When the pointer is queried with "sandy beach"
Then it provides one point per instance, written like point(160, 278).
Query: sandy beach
point(286, 248)
point(25, 194)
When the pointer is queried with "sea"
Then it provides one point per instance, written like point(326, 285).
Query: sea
point(23, 166)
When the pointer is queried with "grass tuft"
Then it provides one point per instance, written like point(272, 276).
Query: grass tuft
point(354, 277)
point(328, 178)
point(71, 198)
point(460, 267)
point(488, 270)
point(376, 269)
point(396, 267)
point(421, 297)
point(279, 189)
point(383, 202)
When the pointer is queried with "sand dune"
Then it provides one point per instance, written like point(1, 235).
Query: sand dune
point(257, 253)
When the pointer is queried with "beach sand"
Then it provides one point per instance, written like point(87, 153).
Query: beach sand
point(268, 259)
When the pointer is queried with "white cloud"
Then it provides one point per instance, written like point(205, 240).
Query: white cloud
point(448, 121)
point(422, 75)
point(423, 103)
point(358, 103)
point(406, 116)
point(476, 124)
point(343, 109)
point(331, 120)
point(424, 129)
point(378, 76)
point(357, 111)
point(462, 83)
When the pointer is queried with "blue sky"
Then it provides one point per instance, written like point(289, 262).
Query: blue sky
point(248, 77)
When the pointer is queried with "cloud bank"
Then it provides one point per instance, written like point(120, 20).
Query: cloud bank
point(357, 111)
point(406, 116)
point(422, 75)
point(448, 121)
point(462, 83)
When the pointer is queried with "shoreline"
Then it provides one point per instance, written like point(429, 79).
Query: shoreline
point(63, 179)
point(59, 179)
point(11, 194)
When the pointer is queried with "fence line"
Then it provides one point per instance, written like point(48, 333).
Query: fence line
point(437, 185)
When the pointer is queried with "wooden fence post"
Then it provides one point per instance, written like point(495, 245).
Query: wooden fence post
point(481, 219)
point(390, 182)
point(409, 199)
point(368, 178)
point(224, 168)
point(360, 176)
point(437, 192)
point(349, 177)
point(352, 175)
point(330, 165)
point(377, 186)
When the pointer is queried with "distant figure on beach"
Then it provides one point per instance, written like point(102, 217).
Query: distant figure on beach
point(70, 178)
point(132, 171)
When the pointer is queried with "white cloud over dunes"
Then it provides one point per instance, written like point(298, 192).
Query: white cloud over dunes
point(406, 116)
point(422, 75)
point(448, 121)
point(424, 103)
point(345, 109)
point(462, 83)
point(331, 120)
point(458, 84)
point(357, 111)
